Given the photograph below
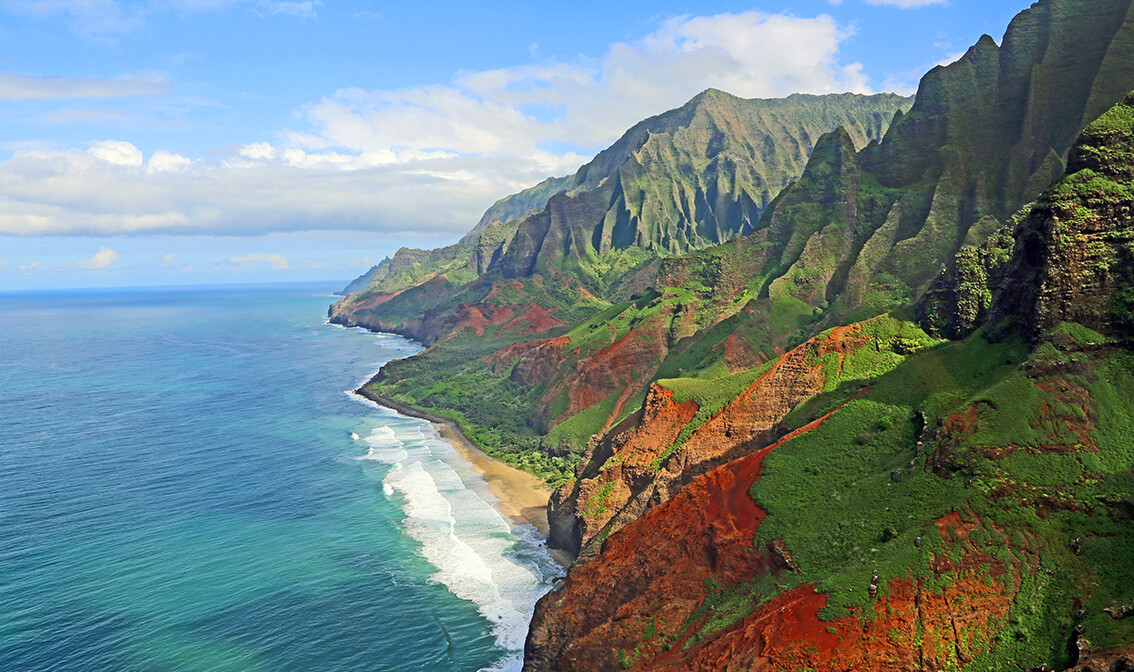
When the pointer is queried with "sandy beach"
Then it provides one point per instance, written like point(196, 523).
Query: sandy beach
point(522, 497)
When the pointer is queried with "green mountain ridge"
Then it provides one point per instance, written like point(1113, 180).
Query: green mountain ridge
point(679, 181)
point(681, 175)
point(861, 232)
point(883, 426)
point(960, 505)
point(892, 226)
point(519, 205)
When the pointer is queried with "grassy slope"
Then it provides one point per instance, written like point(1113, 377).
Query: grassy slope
point(1031, 439)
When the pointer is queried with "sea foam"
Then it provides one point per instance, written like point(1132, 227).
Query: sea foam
point(479, 555)
point(385, 446)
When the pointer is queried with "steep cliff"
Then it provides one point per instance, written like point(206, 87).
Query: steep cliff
point(409, 268)
point(690, 426)
point(1074, 252)
point(517, 206)
point(931, 505)
point(692, 177)
point(861, 233)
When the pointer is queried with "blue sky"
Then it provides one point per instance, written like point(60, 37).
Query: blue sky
point(215, 141)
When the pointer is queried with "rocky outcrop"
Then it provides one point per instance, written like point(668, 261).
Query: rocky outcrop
point(608, 613)
point(620, 368)
point(1113, 661)
point(1073, 259)
point(986, 135)
point(626, 474)
point(608, 493)
point(652, 599)
point(959, 298)
point(532, 363)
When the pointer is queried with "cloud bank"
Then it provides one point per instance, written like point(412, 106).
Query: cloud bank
point(14, 86)
point(426, 159)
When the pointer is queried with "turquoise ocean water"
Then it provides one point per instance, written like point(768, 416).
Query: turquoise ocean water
point(186, 485)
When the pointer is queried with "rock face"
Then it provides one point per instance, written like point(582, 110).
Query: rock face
point(517, 206)
point(688, 178)
point(985, 136)
point(627, 473)
point(862, 232)
point(1074, 254)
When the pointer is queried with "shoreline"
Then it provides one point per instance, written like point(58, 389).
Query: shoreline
point(521, 497)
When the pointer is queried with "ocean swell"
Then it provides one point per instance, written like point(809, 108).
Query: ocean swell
point(479, 555)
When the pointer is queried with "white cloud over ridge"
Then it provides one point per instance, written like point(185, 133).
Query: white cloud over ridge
point(422, 159)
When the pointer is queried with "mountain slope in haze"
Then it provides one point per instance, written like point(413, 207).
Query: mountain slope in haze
point(519, 205)
point(363, 281)
point(925, 505)
point(414, 267)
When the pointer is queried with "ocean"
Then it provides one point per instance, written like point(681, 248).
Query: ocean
point(187, 484)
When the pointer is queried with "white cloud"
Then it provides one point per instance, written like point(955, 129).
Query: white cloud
point(427, 159)
point(951, 58)
point(27, 266)
point(117, 153)
point(164, 162)
point(169, 258)
point(905, 4)
point(15, 86)
point(102, 259)
point(750, 55)
point(74, 192)
point(906, 82)
point(106, 20)
point(86, 115)
point(276, 261)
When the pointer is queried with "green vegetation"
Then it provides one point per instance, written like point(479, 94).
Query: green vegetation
point(517, 206)
point(1003, 457)
point(711, 396)
point(673, 184)
point(579, 428)
point(851, 497)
